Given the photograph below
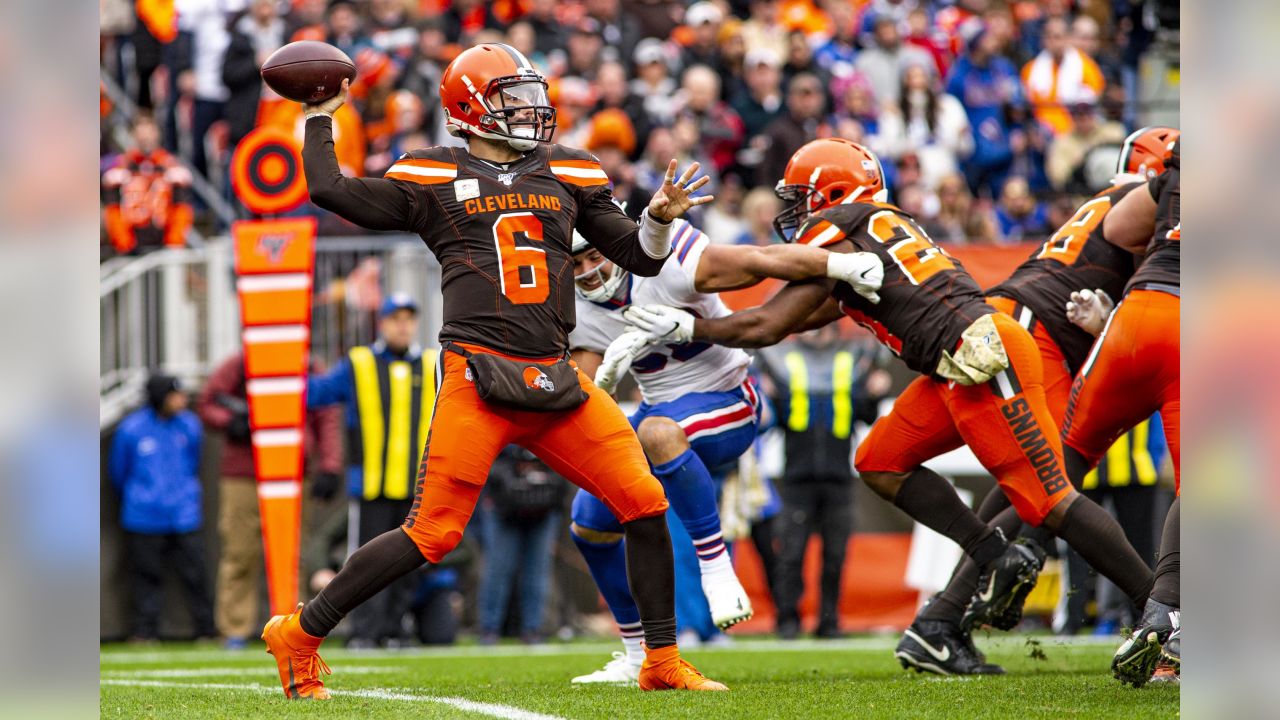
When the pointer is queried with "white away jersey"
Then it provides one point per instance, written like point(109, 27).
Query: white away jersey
point(668, 371)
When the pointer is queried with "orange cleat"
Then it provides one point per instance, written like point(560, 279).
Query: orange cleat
point(664, 669)
point(296, 657)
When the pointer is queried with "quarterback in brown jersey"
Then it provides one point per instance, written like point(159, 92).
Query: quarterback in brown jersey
point(1076, 257)
point(500, 217)
point(981, 383)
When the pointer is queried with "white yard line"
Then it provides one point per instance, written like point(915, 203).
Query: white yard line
point(885, 642)
point(265, 671)
point(507, 712)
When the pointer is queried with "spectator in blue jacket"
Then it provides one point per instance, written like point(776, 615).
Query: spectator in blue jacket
point(153, 464)
point(988, 86)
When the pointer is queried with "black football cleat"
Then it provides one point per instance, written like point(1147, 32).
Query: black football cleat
point(1136, 658)
point(1169, 667)
point(1171, 653)
point(941, 648)
point(1003, 587)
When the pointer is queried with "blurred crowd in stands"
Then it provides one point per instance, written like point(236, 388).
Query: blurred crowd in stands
point(984, 112)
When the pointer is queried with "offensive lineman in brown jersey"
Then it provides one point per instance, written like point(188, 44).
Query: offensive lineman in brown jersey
point(500, 217)
point(982, 375)
point(1133, 371)
point(1077, 256)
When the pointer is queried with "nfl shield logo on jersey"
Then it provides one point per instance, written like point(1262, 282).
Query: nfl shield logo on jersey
point(506, 178)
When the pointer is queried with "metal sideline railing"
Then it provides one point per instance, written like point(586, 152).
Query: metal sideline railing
point(176, 310)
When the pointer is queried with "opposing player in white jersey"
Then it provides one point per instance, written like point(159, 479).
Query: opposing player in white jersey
point(699, 413)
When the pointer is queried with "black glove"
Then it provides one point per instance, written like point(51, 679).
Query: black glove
point(325, 485)
point(238, 429)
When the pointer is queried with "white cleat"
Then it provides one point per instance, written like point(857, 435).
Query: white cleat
point(728, 601)
point(618, 671)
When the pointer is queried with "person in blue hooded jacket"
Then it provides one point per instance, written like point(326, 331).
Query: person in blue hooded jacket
point(153, 464)
point(988, 85)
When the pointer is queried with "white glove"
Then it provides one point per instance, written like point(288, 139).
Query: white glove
point(1089, 309)
point(618, 358)
point(661, 323)
point(862, 270)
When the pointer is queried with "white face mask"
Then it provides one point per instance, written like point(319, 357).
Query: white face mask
point(609, 284)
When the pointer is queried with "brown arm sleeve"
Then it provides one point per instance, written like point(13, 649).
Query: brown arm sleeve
point(374, 203)
point(615, 235)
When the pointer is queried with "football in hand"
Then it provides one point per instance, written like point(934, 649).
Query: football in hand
point(307, 71)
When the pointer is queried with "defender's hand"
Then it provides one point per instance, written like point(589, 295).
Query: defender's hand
point(618, 358)
point(674, 198)
point(862, 270)
point(330, 106)
point(661, 323)
point(1089, 309)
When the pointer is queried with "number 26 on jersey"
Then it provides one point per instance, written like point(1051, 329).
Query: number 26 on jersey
point(912, 250)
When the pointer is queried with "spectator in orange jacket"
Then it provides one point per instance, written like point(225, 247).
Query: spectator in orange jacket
point(147, 194)
point(1059, 77)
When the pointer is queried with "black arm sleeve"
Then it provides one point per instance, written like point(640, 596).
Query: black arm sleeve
point(615, 235)
point(374, 203)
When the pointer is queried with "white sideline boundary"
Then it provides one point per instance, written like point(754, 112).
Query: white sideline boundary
point(506, 712)
point(256, 670)
point(876, 643)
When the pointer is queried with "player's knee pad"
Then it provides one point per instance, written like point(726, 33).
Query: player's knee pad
point(433, 540)
point(437, 529)
point(593, 519)
point(865, 460)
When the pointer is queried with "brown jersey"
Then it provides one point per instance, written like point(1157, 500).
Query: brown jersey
point(927, 298)
point(502, 233)
point(1077, 257)
point(1162, 268)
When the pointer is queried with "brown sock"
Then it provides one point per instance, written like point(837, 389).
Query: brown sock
point(1093, 533)
point(928, 498)
point(377, 564)
point(1168, 572)
point(949, 605)
point(651, 572)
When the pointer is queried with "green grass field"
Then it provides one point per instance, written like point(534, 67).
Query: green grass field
point(851, 678)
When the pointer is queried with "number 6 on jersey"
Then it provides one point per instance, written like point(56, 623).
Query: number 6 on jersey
point(522, 270)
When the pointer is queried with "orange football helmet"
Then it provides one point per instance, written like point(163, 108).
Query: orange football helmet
point(1145, 151)
point(493, 91)
point(830, 171)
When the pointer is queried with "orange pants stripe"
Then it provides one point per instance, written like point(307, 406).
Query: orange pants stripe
point(1132, 372)
point(1057, 376)
point(593, 446)
point(1006, 422)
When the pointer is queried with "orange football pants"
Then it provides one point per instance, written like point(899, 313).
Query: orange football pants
point(593, 446)
point(1006, 422)
point(1132, 371)
point(1057, 376)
